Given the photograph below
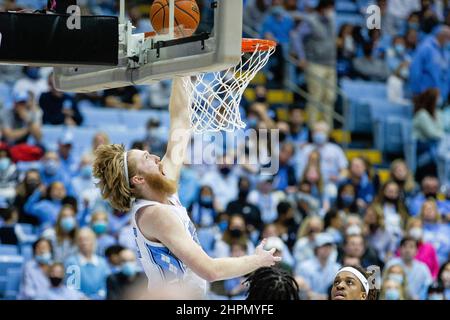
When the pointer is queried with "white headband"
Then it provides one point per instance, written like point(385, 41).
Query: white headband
point(357, 274)
point(125, 168)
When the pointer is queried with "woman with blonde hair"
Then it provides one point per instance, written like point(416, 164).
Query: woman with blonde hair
point(304, 246)
point(400, 173)
point(435, 230)
point(397, 274)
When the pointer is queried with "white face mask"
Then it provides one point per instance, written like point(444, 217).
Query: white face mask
point(416, 233)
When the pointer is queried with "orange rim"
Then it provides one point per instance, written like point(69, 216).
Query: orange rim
point(252, 45)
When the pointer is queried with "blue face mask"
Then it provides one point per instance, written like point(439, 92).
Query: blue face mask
point(129, 269)
point(4, 163)
point(68, 223)
point(347, 200)
point(400, 49)
point(392, 294)
point(44, 258)
point(414, 26)
point(435, 296)
point(51, 167)
point(206, 200)
point(396, 277)
point(99, 227)
point(277, 11)
point(86, 172)
point(320, 138)
point(223, 225)
point(252, 122)
point(32, 73)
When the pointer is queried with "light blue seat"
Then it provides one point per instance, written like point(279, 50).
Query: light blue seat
point(357, 89)
point(28, 228)
point(125, 136)
point(8, 250)
point(12, 285)
point(346, 7)
point(51, 135)
point(26, 251)
point(8, 262)
point(357, 116)
point(350, 18)
point(96, 117)
point(139, 119)
point(24, 166)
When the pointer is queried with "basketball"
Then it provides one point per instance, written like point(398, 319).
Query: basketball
point(187, 17)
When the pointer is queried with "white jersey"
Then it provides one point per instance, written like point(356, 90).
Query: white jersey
point(159, 263)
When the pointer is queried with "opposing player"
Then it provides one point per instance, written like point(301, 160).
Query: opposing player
point(141, 183)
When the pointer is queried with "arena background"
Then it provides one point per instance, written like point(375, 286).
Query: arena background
point(380, 174)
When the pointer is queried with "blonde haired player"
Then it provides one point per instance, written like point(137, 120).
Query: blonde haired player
point(141, 183)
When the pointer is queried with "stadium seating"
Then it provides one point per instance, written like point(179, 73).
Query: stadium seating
point(7, 249)
point(8, 263)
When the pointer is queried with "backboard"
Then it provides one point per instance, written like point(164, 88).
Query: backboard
point(144, 59)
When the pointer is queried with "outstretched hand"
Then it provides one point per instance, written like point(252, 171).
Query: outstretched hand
point(266, 258)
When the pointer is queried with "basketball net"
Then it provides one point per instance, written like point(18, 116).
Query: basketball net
point(214, 97)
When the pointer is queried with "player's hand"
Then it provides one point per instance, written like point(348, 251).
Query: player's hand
point(266, 258)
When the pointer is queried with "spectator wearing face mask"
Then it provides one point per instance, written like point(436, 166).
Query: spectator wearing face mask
point(391, 290)
point(24, 190)
point(35, 280)
point(426, 253)
point(419, 276)
point(435, 231)
point(235, 233)
point(204, 210)
point(99, 224)
point(394, 209)
point(223, 181)
point(271, 231)
point(46, 203)
point(333, 162)
point(84, 185)
point(320, 270)
point(376, 235)
point(266, 199)
point(397, 274)
point(304, 246)
point(67, 158)
point(93, 268)
point(52, 171)
point(359, 178)
point(58, 290)
point(346, 199)
point(241, 205)
point(444, 278)
point(63, 235)
point(298, 130)
point(127, 279)
point(8, 176)
point(436, 292)
point(397, 55)
point(396, 91)
point(429, 189)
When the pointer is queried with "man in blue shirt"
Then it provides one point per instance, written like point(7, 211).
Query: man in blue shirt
point(430, 64)
point(319, 271)
point(52, 171)
point(429, 189)
point(418, 274)
point(87, 271)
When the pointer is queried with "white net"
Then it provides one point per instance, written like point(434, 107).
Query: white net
point(215, 97)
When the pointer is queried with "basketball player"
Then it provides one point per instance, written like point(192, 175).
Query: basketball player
point(352, 283)
point(141, 183)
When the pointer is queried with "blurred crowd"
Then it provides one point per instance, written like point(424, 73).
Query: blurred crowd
point(322, 209)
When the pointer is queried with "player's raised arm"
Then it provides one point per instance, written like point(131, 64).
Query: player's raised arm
point(180, 130)
point(162, 224)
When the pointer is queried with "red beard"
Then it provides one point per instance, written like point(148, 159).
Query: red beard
point(159, 183)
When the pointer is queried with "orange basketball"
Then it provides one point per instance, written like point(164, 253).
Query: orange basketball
point(187, 17)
